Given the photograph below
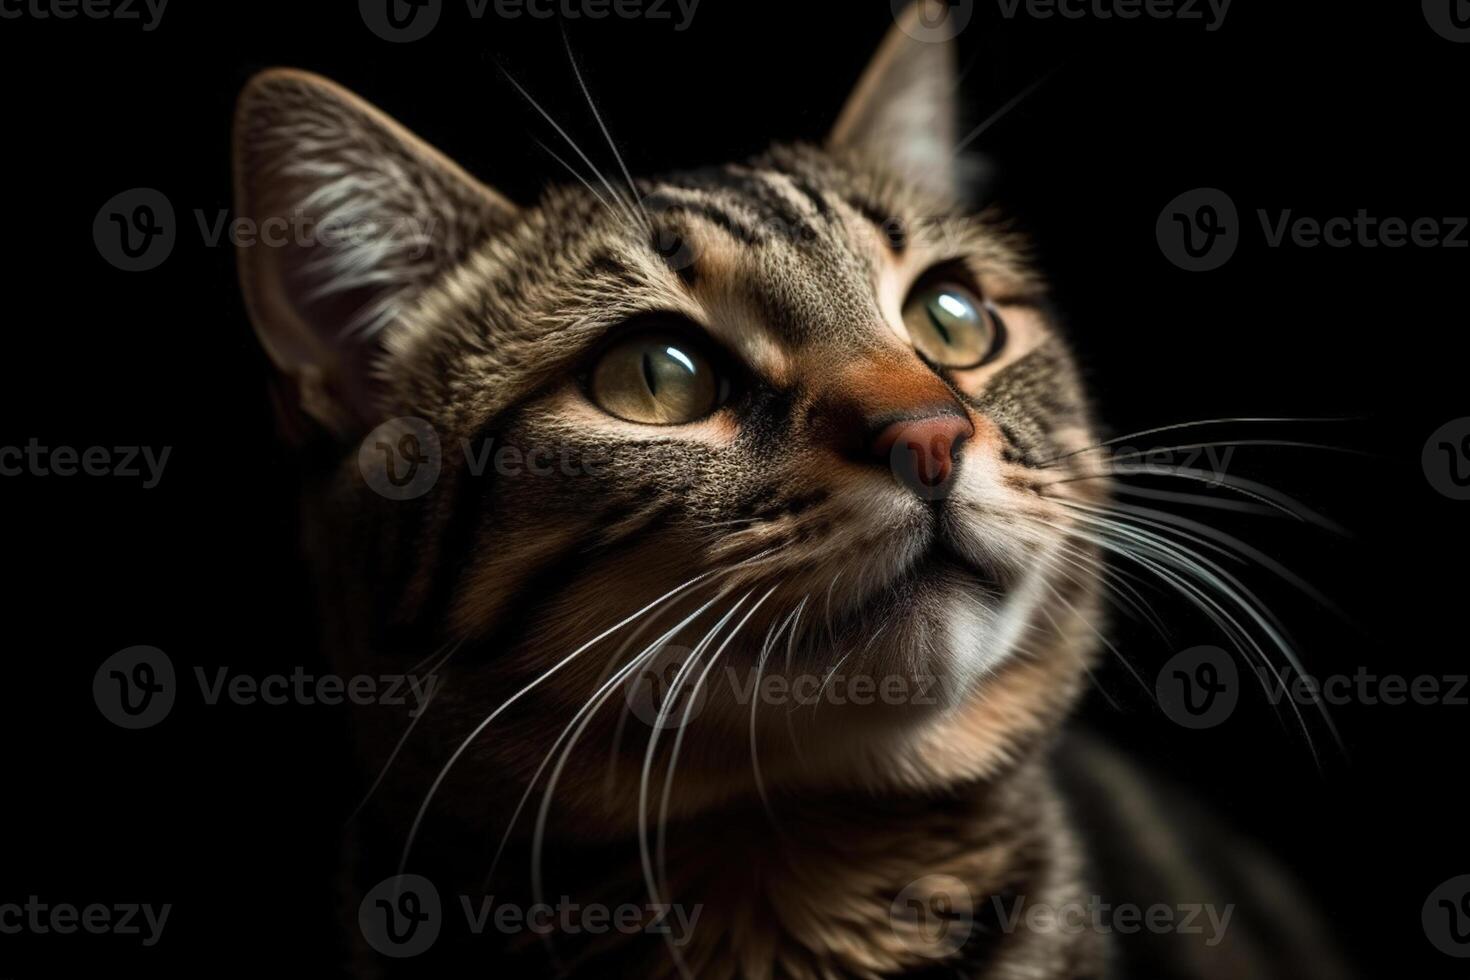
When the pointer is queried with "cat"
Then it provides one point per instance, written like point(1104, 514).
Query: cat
point(741, 516)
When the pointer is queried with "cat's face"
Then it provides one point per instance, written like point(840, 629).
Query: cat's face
point(800, 417)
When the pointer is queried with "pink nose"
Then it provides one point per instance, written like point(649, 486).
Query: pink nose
point(922, 451)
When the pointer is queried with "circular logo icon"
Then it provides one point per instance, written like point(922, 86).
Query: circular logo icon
point(1446, 459)
point(134, 688)
point(401, 458)
point(1199, 230)
point(1446, 917)
point(1199, 687)
point(401, 916)
point(135, 230)
point(652, 696)
point(400, 21)
point(932, 21)
point(1449, 18)
point(933, 915)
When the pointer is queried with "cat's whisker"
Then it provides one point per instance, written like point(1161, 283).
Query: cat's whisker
point(403, 739)
point(626, 208)
point(1157, 548)
point(644, 848)
point(577, 174)
point(755, 700)
point(584, 716)
point(1234, 443)
point(1249, 488)
point(1003, 111)
point(620, 729)
point(1113, 581)
point(553, 670)
point(1194, 499)
point(790, 652)
point(661, 844)
point(632, 187)
point(1082, 661)
point(1163, 520)
point(1199, 422)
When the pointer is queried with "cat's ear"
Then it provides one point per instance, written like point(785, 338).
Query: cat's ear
point(903, 112)
point(348, 217)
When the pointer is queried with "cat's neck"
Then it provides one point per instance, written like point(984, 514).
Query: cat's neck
point(848, 885)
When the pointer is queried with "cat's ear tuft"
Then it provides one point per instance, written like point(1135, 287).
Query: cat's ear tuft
point(347, 217)
point(903, 113)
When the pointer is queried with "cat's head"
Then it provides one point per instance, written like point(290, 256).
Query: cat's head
point(803, 416)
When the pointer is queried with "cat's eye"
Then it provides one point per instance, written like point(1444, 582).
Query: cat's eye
point(656, 379)
point(951, 326)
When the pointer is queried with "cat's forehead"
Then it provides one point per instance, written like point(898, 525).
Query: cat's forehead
point(791, 255)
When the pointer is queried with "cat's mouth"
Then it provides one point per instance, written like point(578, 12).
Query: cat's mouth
point(943, 564)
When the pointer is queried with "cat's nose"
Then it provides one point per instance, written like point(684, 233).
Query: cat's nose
point(923, 448)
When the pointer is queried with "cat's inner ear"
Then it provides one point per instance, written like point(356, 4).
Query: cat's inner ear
point(352, 217)
point(903, 112)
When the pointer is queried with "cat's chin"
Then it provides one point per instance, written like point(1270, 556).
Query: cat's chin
point(922, 644)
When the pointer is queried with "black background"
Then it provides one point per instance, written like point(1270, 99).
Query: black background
point(233, 814)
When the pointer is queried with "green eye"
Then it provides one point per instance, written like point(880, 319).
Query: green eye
point(656, 379)
point(951, 326)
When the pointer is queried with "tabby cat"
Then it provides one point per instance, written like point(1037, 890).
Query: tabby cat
point(736, 513)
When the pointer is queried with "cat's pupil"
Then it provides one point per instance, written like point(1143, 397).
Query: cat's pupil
point(648, 375)
point(934, 318)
